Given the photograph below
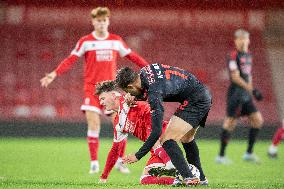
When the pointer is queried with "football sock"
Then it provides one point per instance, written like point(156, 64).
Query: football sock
point(175, 153)
point(225, 137)
point(161, 153)
point(279, 134)
point(192, 156)
point(147, 179)
point(93, 143)
point(252, 138)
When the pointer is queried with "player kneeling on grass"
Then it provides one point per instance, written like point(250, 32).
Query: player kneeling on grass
point(135, 119)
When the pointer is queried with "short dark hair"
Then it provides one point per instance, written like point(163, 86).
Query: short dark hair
point(105, 86)
point(125, 76)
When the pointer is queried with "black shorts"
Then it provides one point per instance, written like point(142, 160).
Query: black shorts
point(239, 103)
point(195, 111)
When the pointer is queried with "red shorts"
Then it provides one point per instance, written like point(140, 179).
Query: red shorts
point(154, 161)
point(91, 102)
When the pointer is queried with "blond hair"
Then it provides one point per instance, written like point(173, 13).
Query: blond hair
point(100, 11)
point(241, 33)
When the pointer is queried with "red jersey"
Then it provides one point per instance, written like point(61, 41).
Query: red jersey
point(135, 120)
point(100, 56)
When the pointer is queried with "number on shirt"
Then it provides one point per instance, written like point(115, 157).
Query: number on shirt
point(168, 73)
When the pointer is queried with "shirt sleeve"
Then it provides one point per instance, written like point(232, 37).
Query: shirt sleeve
point(79, 49)
point(232, 61)
point(136, 59)
point(66, 64)
point(123, 49)
point(111, 159)
point(157, 112)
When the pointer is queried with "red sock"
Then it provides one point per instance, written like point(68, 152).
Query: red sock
point(157, 180)
point(123, 148)
point(161, 153)
point(93, 143)
point(278, 136)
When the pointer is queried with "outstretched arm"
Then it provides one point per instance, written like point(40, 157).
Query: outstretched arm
point(64, 66)
point(136, 59)
point(155, 101)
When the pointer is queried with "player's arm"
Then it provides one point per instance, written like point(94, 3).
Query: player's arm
point(125, 51)
point(136, 59)
point(111, 159)
point(65, 65)
point(157, 113)
point(237, 79)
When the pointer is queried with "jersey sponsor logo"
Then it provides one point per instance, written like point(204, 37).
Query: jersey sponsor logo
point(104, 55)
point(129, 126)
point(158, 71)
point(149, 74)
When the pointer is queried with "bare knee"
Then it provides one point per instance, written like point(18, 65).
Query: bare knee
point(256, 120)
point(189, 136)
point(229, 123)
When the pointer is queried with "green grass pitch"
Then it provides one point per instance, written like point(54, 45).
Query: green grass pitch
point(64, 163)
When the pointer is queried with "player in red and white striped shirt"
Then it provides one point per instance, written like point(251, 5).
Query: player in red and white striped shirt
point(100, 50)
point(136, 120)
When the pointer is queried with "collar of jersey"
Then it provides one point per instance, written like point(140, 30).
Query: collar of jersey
point(100, 38)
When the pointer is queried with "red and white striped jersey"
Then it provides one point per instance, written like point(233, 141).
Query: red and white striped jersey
point(100, 56)
point(135, 120)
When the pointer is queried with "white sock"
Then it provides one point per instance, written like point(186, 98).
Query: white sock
point(95, 162)
point(170, 165)
point(272, 149)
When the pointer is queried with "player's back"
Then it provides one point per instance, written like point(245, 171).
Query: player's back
point(174, 84)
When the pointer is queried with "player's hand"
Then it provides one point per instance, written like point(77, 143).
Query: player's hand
point(45, 81)
point(257, 95)
point(130, 100)
point(102, 181)
point(131, 158)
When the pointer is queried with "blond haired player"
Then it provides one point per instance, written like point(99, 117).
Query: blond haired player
point(100, 50)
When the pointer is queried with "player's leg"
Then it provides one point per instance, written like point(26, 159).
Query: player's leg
point(229, 125)
point(91, 107)
point(177, 128)
point(155, 163)
point(256, 121)
point(93, 120)
point(160, 152)
point(192, 153)
point(230, 121)
point(277, 137)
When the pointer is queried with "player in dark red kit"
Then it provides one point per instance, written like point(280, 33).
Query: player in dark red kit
point(240, 98)
point(132, 119)
point(100, 50)
point(158, 83)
